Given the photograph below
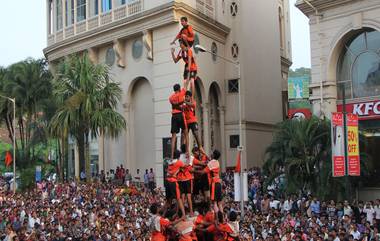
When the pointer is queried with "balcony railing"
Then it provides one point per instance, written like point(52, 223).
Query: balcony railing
point(97, 21)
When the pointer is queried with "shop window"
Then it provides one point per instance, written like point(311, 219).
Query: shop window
point(359, 66)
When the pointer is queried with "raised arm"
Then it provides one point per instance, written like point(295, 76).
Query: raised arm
point(175, 58)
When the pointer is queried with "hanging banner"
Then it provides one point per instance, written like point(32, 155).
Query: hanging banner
point(337, 139)
point(353, 145)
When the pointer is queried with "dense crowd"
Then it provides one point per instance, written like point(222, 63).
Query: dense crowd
point(111, 210)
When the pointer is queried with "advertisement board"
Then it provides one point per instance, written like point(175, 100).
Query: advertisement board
point(298, 87)
point(353, 145)
point(337, 145)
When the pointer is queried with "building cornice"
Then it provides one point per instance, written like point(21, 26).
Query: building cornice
point(285, 62)
point(321, 5)
point(136, 25)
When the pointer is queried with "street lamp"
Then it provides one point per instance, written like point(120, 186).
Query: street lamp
point(240, 148)
point(13, 100)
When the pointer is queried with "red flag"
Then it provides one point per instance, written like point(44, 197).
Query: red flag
point(8, 159)
point(237, 167)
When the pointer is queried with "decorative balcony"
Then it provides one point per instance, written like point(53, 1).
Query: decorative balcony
point(94, 22)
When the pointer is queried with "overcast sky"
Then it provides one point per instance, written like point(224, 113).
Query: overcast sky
point(23, 32)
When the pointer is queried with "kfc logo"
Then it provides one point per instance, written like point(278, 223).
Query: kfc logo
point(365, 110)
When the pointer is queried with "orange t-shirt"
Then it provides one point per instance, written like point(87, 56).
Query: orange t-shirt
point(159, 235)
point(173, 170)
point(185, 172)
point(177, 99)
point(188, 31)
point(185, 54)
point(190, 113)
point(213, 168)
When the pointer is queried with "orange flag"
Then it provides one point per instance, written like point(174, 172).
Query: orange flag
point(237, 167)
point(8, 159)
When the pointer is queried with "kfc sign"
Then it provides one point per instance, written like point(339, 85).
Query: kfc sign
point(365, 110)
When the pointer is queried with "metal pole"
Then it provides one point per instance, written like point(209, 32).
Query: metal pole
point(14, 144)
point(347, 183)
point(240, 148)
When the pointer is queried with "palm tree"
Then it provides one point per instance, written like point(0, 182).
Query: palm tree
point(87, 99)
point(301, 152)
point(29, 82)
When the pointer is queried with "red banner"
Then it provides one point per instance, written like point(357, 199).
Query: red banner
point(337, 140)
point(365, 110)
point(353, 145)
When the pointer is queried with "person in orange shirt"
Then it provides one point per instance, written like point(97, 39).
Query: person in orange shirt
point(185, 179)
point(158, 224)
point(186, 34)
point(201, 181)
point(191, 118)
point(213, 168)
point(178, 123)
point(190, 70)
point(223, 230)
point(172, 189)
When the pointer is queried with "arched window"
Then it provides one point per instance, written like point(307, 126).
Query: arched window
point(359, 65)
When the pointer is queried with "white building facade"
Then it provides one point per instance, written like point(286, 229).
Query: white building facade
point(345, 53)
point(133, 37)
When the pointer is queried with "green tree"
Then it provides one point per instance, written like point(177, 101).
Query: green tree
point(299, 72)
point(29, 82)
point(301, 153)
point(87, 99)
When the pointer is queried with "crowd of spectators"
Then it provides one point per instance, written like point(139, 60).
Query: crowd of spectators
point(116, 207)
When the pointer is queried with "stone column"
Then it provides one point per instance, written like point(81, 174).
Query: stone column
point(64, 18)
point(54, 6)
point(76, 160)
point(99, 11)
point(128, 136)
point(222, 138)
point(113, 6)
point(206, 141)
point(102, 164)
point(87, 12)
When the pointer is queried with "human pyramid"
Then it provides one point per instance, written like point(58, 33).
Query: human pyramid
point(190, 177)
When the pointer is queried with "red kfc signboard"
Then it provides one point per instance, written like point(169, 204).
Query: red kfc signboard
point(365, 110)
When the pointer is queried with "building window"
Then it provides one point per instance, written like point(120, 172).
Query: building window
point(69, 12)
point(234, 141)
point(110, 56)
point(233, 86)
point(59, 14)
point(81, 10)
point(106, 5)
point(95, 8)
point(359, 65)
point(234, 9)
point(214, 51)
point(137, 49)
point(235, 50)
